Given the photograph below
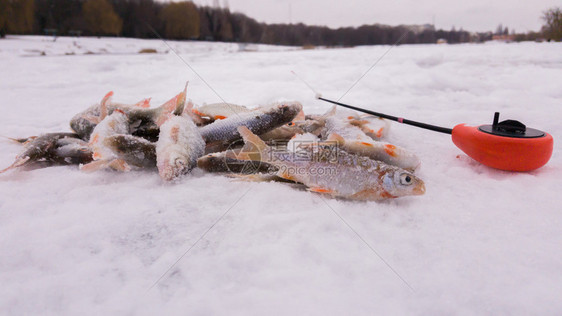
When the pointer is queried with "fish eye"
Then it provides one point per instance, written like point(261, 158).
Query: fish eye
point(405, 179)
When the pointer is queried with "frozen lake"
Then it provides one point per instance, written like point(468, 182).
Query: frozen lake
point(480, 241)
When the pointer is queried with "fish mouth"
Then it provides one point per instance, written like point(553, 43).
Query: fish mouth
point(419, 190)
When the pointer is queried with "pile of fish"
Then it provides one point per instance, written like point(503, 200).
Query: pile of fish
point(339, 154)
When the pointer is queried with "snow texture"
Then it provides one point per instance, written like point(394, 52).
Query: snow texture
point(480, 241)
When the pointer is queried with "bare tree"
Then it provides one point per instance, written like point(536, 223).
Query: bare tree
point(553, 27)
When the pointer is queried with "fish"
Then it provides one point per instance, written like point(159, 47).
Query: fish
point(377, 150)
point(225, 162)
point(52, 149)
point(179, 146)
point(119, 123)
point(285, 131)
point(375, 127)
point(25, 140)
point(116, 123)
point(133, 150)
point(315, 124)
point(259, 121)
point(143, 120)
point(196, 117)
point(335, 172)
point(352, 139)
point(220, 111)
point(72, 151)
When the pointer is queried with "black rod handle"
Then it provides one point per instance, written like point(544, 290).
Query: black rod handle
point(394, 118)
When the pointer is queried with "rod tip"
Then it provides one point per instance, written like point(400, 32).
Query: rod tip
point(318, 96)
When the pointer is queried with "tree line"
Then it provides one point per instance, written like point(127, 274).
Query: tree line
point(185, 20)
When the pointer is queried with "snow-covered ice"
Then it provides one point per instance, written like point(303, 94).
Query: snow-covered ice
point(480, 241)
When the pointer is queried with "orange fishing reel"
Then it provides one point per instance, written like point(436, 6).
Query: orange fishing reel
point(507, 145)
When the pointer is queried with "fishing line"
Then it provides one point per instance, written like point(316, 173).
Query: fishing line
point(368, 245)
point(235, 203)
point(376, 62)
point(191, 68)
point(198, 240)
point(319, 96)
point(306, 83)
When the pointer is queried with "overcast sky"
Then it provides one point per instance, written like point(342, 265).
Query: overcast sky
point(471, 15)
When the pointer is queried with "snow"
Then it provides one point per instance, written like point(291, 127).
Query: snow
point(480, 241)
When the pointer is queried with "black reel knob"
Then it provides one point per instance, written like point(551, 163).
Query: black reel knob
point(510, 128)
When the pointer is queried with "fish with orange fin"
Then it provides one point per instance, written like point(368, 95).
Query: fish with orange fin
point(219, 111)
point(353, 140)
point(382, 151)
point(52, 149)
point(332, 171)
point(179, 146)
point(143, 120)
point(375, 127)
point(114, 124)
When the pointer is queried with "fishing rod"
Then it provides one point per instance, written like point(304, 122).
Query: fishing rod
point(507, 145)
point(394, 118)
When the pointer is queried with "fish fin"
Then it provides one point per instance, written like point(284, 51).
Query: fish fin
point(103, 105)
point(171, 107)
point(372, 195)
point(119, 165)
point(259, 177)
point(116, 164)
point(356, 122)
point(390, 149)
point(189, 111)
point(162, 118)
point(300, 117)
point(94, 165)
point(145, 103)
point(96, 155)
point(320, 190)
point(252, 145)
point(17, 163)
point(336, 138)
point(180, 104)
point(220, 117)
point(23, 141)
point(286, 175)
point(92, 119)
point(196, 112)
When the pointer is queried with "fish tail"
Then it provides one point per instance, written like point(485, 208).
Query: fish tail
point(17, 163)
point(174, 106)
point(335, 138)
point(180, 104)
point(22, 141)
point(94, 166)
point(103, 105)
point(145, 103)
point(254, 148)
point(116, 164)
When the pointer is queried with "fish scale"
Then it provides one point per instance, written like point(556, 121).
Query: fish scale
point(259, 122)
point(331, 170)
